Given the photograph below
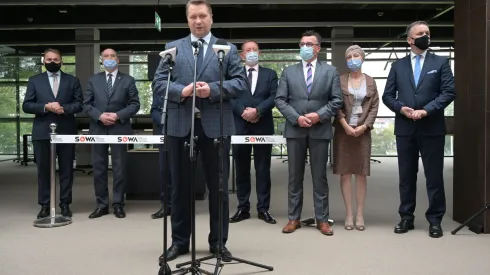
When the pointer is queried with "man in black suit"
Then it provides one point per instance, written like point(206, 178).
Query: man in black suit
point(207, 124)
point(156, 115)
point(425, 86)
point(110, 101)
point(53, 96)
point(253, 116)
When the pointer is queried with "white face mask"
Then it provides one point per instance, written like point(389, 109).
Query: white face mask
point(252, 58)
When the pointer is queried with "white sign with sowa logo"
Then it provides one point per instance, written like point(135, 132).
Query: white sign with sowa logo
point(258, 140)
point(107, 139)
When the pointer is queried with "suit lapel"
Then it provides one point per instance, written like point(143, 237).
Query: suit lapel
point(301, 77)
point(116, 83)
point(47, 84)
point(318, 71)
point(208, 56)
point(425, 68)
point(189, 51)
point(261, 78)
point(409, 65)
point(63, 84)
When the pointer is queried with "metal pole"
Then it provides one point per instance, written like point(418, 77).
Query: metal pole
point(53, 220)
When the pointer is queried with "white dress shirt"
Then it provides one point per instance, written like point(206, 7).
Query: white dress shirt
point(422, 59)
point(114, 74)
point(255, 76)
point(207, 40)
point(313, 67)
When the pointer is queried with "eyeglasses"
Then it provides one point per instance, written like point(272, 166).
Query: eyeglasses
point(308, 44)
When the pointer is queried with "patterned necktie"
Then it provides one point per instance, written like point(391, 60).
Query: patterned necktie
point(200, 56)
point(417, 70)
point(309, 77)
point(250, 78)
point(109, 84)
point(55, 85)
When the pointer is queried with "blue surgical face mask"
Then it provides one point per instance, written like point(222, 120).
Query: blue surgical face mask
point(252, 58)
point(110, 64)
point(306, 53)
point(354, 64)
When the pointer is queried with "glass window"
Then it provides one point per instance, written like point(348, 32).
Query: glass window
point(277, 66)
point(139, 71)
point(383, 138)
point(8, 68)
point(8, 100)
point(26, 129)
point(146, 96)
point(8, 136)
point(377, 68)
point(29, 66)
point(22, 95)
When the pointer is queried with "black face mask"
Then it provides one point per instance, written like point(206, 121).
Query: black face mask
point(52, 67)
point(422, 42)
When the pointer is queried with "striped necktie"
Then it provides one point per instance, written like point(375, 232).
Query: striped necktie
point(309, 77)
point(109, 85)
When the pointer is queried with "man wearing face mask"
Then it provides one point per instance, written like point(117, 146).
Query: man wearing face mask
point(53, 96)
point(111, 100)
point(252, 111)
point(308, 96)
point(418, 89)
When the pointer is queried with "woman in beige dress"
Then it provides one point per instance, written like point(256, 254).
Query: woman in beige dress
point(352, 137)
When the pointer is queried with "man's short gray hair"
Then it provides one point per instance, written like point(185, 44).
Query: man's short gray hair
point(413, 24)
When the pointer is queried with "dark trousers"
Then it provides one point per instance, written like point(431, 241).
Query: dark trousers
point(66, 155)
point(431, 149)
point(100, 158)
point(262, 163)
point(181, 181)
point(164, 164)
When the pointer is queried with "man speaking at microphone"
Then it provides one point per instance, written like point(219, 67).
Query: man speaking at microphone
point(207, 123)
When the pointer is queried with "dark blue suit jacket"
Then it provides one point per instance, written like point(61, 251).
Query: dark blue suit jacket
point(156, 112)
point(434, 93)
point(262, 99)
point(39, 93)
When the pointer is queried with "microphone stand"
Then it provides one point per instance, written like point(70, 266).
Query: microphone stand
point(194, 264)
point(164, 267)
point(220, 141)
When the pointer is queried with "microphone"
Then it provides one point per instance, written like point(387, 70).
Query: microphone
point(196, 44)
point(221, 48)
point(169, 54)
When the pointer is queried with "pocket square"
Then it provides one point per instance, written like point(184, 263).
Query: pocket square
point(432, 72)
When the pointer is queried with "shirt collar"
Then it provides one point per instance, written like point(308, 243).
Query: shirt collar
point(256, 67)
point(56, 73)
point(413, 55)
point(313, 63)
point(206, 38)
point(114, 73)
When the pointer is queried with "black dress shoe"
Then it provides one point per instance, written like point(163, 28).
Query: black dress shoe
point(65, 210)
point(267, 217)
point(239, 216)
point(119, 212)
point(161, 213)
point(404, 226)
point(173, 252)
point(224, 252)
point(99, 212)
point(44, 212)
point(435, 230)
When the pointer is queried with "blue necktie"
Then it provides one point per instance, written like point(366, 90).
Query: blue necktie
point(309, 77)
point(109, 85)
point(417, 70)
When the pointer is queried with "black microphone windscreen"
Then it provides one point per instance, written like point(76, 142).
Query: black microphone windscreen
point(221, 42)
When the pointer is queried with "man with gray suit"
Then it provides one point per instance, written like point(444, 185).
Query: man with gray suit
point(207, 124)
point(110, 101)
point(308, 97)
